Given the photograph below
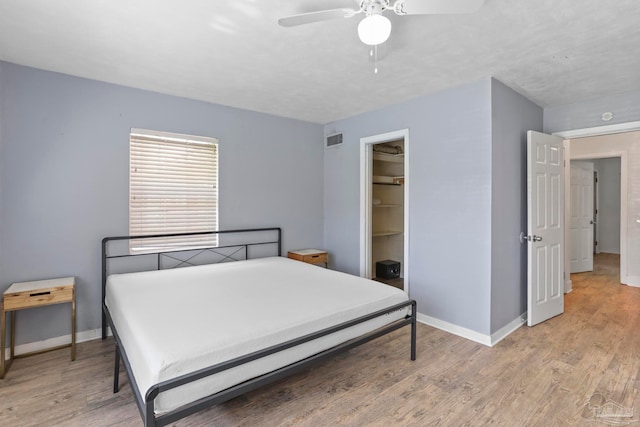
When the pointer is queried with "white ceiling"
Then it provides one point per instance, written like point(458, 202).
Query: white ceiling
point(234, 52)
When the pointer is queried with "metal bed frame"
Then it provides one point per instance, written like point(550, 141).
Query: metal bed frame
point(146, 402)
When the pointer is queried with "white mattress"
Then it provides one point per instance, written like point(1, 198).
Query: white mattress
point(173, 322)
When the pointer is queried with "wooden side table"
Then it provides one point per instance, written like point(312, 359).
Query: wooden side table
point(312, 256)
point(38, 293)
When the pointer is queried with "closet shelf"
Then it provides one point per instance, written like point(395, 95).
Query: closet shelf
point(387, 206)
point(395, 158)
point(388, 180)
point(386, 233)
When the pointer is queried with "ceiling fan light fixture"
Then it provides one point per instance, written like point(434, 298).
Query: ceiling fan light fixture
point(374, 29)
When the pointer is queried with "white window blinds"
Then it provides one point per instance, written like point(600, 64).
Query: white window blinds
point(173, 188)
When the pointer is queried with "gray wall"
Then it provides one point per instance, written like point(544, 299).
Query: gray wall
point(512, 116)
point(467, 178)
point(450, 199)
point(625, 108)
point(65, 171)
point(608, 227)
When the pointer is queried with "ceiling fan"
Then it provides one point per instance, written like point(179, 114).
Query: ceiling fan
point(375, 28)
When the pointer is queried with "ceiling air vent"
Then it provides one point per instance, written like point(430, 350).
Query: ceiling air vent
point(334, 140)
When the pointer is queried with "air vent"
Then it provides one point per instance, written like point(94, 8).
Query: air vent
point(334, 140)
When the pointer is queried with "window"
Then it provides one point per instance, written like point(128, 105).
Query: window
point(173, 188)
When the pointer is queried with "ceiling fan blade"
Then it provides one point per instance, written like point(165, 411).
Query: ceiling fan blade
point(428, 7)
point(322, 15)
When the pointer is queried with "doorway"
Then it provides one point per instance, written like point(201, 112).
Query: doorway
point(581, 212)
point(384, 208)
point(594, 211)
point(608, 199)
point(612, 141)
point(602, 151)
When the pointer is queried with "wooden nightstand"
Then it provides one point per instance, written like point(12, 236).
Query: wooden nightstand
point(312, 256)
point(39, 293)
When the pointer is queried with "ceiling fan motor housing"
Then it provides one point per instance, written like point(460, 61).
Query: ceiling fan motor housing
point(374, 7)
point(377, 7)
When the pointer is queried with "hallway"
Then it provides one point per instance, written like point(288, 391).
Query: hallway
point(593, 291)
point(604, 317)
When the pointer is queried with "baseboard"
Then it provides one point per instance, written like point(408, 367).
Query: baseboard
point(455, 329)
point(633, 281)
point(508, 329)
point(488, 340)
point(57, 341)
point(483, 339)
point(568, 286)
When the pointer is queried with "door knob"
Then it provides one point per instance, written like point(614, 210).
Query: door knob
point(526, 238)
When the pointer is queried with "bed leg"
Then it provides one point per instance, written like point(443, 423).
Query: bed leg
point(116, 370)
point(413, 330)
point(104, 326)
point(150, 419)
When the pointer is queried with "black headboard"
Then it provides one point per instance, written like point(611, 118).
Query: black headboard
point(232, 245)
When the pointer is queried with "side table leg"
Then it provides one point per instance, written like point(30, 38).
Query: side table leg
point(13, 335)
point(5, 364)
point(73, 325)
point(3, 338)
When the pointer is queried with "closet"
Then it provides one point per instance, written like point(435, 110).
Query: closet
point(387, 213)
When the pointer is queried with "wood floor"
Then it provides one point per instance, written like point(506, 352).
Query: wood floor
point(566, 371)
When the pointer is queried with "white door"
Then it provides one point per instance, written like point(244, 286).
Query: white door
point(581, 243)
point(545, 192)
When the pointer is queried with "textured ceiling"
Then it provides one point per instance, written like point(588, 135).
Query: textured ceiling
point(234, 52)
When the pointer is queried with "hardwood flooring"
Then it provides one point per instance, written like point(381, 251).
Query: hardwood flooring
point(580, 368)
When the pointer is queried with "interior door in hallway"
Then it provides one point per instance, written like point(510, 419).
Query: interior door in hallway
point(581, 242)
point(545, 227)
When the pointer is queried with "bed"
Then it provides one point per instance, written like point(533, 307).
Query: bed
point(196, 336)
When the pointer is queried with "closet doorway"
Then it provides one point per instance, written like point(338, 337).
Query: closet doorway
point(384, 208)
